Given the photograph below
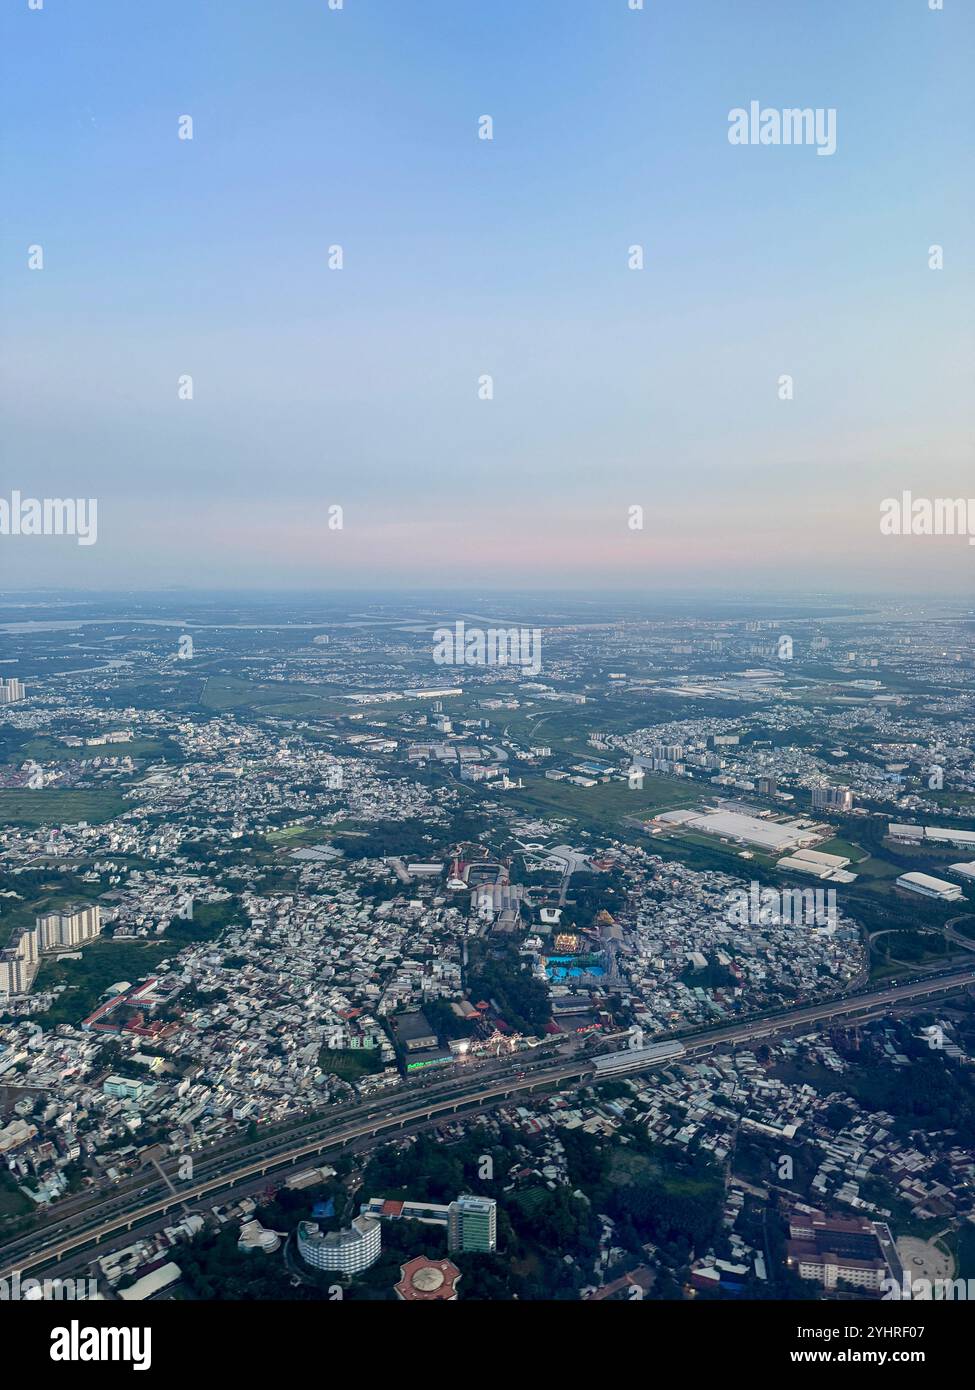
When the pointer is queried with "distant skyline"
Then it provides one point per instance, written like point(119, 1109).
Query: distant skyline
point(613, 388)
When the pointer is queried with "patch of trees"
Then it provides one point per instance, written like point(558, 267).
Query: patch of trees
point(927, 1094)
point(445, 1022)
point(592, 893)
point(207, 922)
point(389, 837)
point(507, 980)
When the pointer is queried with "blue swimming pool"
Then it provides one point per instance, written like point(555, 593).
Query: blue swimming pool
point(558, 968)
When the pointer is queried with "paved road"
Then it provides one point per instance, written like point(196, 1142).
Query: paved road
point(947, 931)
point(71, 1211)
point(956, 938)
point(402, 1111)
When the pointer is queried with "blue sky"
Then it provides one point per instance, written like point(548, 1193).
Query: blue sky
point(462, 257)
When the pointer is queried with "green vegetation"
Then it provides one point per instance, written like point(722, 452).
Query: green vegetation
point(537, 1227)
point(297, 835)
point(897, 951)
point(13, 1203)
point(445, 1022)
point(590, 894)
point(605, 806)
point(56, 807)
point(287, 699)
point(42, 891)
point(214, 1269)
point(206, 924)
point(350, 1064)
point(103, 963)
point(964, 1252)
point(506, 981)
point(929, 1093)
point(47, 750)
point(389, 837)
point(428, 1171)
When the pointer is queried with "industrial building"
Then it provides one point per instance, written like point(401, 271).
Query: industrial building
point(413, 1032)
point(777, 837)
point(818, 865)
point(164, 1277)
point(930, 887)
point(937, 834)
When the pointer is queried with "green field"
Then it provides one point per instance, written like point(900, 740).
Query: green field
point(847, 849)
point(628, 1166)
point(280, 698)
point(206, 924)
point(875, 875)
point(298, 835)
point(47, 750)
point(606, 805)
point(56, 807)
point(351, 1063)
point(565, 729)
point(963, 801)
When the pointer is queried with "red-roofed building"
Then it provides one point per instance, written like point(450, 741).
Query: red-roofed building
point(428, 1281)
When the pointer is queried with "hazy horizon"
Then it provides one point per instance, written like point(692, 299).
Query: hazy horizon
point(613, 388)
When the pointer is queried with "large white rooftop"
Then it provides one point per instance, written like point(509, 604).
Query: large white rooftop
point(751, 830)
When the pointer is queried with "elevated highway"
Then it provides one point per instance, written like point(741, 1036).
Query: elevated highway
point(102, 1221)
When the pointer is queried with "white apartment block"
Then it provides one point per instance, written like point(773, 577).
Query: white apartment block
point(18, 962)
point(347, 1252)
point(68, 926)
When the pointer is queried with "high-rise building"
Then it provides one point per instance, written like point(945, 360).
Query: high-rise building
point(18, 962)
point(472, 1224)
point(11, 690)
point(68, 926)
point(767, 786)
point(348, 1252)
point(832, 799)
point(668, 752)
